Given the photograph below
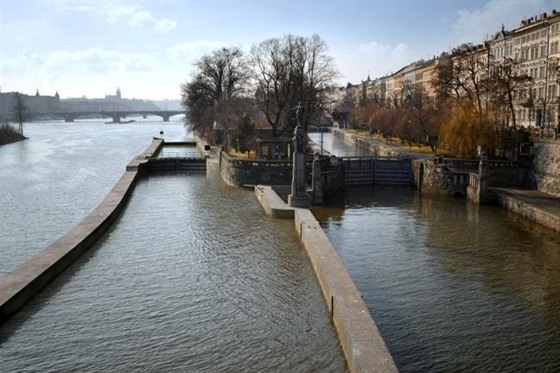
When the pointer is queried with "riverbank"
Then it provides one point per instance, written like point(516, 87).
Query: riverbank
point(8, 135)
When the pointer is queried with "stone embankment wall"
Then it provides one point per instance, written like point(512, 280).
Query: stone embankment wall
point(544, 174)
point(510, 200)
point(430, 179)
point(239, 172)
point(23, 283)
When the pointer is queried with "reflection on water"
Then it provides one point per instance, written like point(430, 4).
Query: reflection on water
point(451, 286)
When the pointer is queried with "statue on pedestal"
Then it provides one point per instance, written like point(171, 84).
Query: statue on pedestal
point(299, 197)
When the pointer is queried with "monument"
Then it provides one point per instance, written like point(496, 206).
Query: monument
point(299, 197)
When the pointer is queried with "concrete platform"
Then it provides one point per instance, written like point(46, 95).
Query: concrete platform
point(363, 345)
point(272, 204)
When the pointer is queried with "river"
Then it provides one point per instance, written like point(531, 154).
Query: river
point(452, 287)
point(193, 276)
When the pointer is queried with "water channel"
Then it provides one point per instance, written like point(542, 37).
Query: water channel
point(193, 276)
point(452, 287)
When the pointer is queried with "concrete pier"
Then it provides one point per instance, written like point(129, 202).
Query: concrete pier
point(363, 346)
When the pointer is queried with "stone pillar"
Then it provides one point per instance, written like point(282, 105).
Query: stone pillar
point(299, 197)
point(483, 173)
point(484, 194)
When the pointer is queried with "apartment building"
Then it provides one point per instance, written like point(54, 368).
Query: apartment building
point(533, 49)
point(535, 44)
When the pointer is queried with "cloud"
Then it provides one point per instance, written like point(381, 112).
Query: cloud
point(195, 49)
point(96, 60)
point(383, 59)
point(480, 23)
point(78, 72)
point(88, 61)
point(136, 17)
point(131, 14)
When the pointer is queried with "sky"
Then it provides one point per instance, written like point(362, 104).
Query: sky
point(149, 48)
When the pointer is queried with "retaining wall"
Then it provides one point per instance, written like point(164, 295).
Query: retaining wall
point(544, 174)
point(238, 172)
point(508, 200)
point(23, 283)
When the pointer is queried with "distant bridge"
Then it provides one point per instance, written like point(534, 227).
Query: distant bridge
point(116, 115)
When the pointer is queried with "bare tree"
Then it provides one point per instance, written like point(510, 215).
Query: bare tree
point(289, 71)
point(462, 77)
point(216, 91)
point(506, 83)
point(19, 112)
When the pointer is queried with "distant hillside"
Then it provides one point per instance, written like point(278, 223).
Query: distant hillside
point(168, 104)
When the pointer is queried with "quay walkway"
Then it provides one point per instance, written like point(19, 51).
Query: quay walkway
point(537, 206)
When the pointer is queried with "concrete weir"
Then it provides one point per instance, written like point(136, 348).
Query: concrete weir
point(363, 346)
point(23, 283)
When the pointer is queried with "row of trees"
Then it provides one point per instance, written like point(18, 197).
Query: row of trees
point(228, 87)
point(473, 104)
point(482, 92)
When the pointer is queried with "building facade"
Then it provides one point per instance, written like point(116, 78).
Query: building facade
point(532, 50)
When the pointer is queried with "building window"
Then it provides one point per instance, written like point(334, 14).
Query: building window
point(552, 91)
point(543, 51)
point(554, 47)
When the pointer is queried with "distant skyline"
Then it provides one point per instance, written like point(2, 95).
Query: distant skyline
point(148, 48)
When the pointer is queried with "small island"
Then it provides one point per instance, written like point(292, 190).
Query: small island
point(9, 135)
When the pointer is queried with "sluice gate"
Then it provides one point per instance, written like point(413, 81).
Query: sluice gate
point(377, 171)
point(177, 164)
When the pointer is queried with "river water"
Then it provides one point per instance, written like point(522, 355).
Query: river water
point(192, 277)
point(452, 287)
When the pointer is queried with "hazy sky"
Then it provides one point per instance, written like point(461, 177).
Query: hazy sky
point(88, 48)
